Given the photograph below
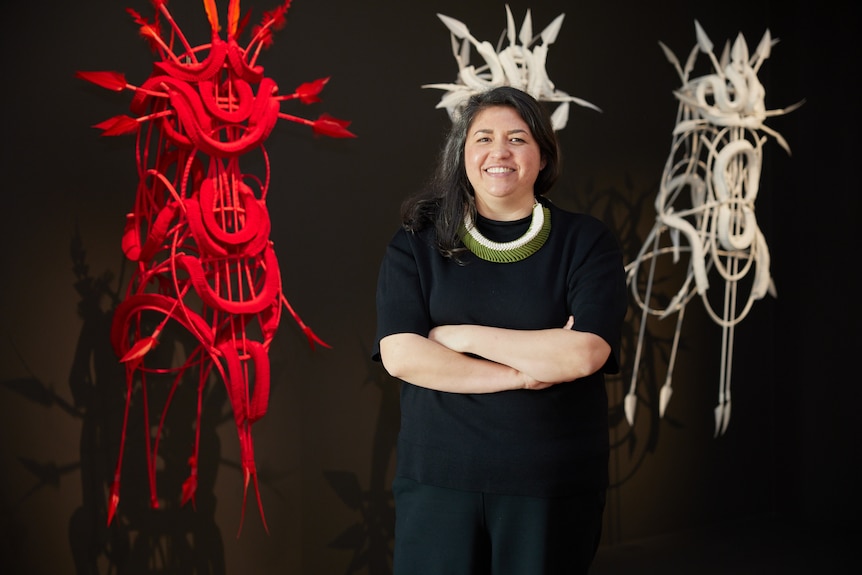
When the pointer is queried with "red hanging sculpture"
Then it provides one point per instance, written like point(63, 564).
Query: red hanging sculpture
point(199, 232)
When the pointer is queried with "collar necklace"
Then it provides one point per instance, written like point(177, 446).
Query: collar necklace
point(513, 251)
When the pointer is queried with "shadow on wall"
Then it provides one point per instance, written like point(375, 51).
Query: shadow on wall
point(181, 539)
point(626, 213)
point(370, 539)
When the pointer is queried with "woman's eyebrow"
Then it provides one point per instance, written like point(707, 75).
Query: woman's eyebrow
point(509, 133)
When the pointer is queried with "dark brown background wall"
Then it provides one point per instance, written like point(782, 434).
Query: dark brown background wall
point(325, 449)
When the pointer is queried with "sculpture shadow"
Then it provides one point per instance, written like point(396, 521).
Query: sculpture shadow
point(151, 532)
point(370, 539)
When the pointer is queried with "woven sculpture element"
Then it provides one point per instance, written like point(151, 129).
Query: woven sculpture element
point(521, 65)
point(705, 206)
point(199, 231)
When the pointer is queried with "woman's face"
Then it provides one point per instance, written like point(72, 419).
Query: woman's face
point(502, 160)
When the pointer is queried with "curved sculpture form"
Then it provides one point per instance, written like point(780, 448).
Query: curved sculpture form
point(521, 65)
point(705, 206)
point(198, 234)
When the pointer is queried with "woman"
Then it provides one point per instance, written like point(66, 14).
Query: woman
point(499, 312)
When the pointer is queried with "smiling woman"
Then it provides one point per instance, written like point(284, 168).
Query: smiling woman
point(500, 312)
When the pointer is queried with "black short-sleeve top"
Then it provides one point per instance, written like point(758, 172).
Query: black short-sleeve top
point(542, 443)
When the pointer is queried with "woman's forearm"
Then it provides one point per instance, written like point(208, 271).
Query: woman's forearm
point(550, 355)
point(426, 363)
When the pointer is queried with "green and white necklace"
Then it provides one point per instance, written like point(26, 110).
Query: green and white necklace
point(513, 251)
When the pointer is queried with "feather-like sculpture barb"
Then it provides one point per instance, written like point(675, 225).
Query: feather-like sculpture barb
point(212, 14)
point(118, 126)
point(111, 80)
point(308, 93)
point(199, 231)
point(233, 18)
point(149, 31)
point(272, 20)
point(521, 65)
point(705, 206)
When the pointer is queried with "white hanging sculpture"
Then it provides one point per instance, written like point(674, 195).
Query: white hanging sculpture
point(520, 65)
point(705, 205)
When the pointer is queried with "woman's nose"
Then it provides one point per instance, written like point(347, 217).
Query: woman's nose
point(500, 149)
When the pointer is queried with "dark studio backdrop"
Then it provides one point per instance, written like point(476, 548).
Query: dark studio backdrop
point(325, 449)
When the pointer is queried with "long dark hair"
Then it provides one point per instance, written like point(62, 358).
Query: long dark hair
point(449, 195)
